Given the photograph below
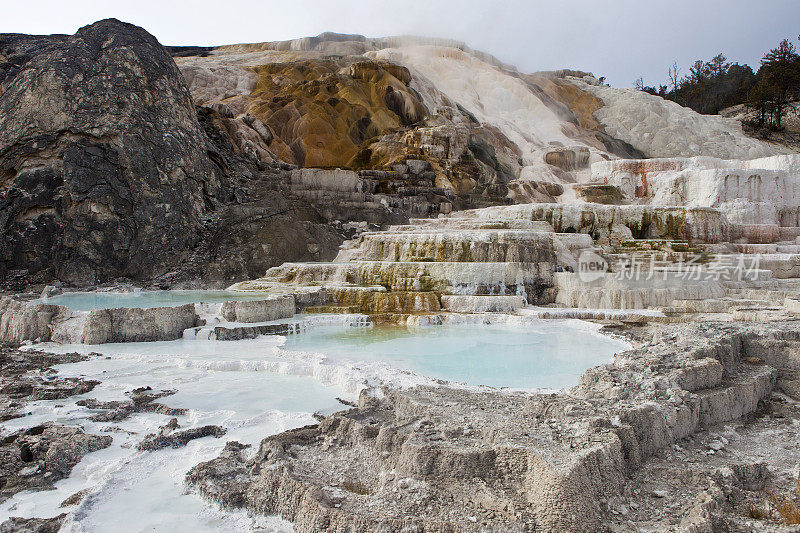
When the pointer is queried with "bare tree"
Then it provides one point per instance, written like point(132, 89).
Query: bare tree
point(674, 77)
point(639, 84)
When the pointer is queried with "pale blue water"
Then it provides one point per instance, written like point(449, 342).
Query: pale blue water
point(551, 355)
point(86, 301)
point(220, 383)
point(255, 388)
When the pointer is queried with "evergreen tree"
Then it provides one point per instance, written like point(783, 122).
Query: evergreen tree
point(778, 83)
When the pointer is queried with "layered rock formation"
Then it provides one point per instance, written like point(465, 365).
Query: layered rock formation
point(119, 168)
point(499, 259)
point(25, 322)
point(487, 130)
point(763, 191)
point(352, 112)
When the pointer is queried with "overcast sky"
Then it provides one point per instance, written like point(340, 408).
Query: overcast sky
point(619, 39)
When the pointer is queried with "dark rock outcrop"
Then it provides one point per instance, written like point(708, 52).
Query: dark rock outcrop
point(28, 376)
point(180, 439)
point(107, 171)
point(263, 225)
point(103, 163)
point(142, 400)
point(34, 459)
point(32, 525)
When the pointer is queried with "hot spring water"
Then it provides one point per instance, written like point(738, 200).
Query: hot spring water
point(258, 387)
point(87, 301)
point(550, 355)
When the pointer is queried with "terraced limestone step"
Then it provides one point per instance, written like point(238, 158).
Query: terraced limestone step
point(374, 302)
point(783, 248)
point(334, 309)
point(292, 326)
point(450, 223)
point(528, 279)
point(717, 305)
point(611, 291)
point(760, 314)
point(792, 304)
point(474, 246)
point(532, 251)
point(782, 266)
point(693, 224)
point(482, 304)
point(619, 315)
point(773, 291)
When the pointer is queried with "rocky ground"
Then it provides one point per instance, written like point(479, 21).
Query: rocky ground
point(737, 474)
point(32, 525)
point(695, 429)
point(28, 375)
point(39, 456)
point(36, 457)
point(742, 475)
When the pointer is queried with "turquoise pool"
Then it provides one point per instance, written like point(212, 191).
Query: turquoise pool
point(551, 354)
point(87, 301)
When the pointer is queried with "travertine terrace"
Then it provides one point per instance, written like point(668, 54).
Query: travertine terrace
point(660, 252)
point(448, 459)
point(720, 341)
point(339, 182)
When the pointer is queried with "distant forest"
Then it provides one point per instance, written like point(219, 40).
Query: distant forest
point(710, 86)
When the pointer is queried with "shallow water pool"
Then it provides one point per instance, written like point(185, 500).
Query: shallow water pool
point(225, 384)
point(547, 355)
point(87, 301)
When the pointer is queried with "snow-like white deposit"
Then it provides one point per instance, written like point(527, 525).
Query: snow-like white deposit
point(487, 92)
point(493, 95)
point(258, 387)
point(661, 128)
point(498, 97)
point(448, 74)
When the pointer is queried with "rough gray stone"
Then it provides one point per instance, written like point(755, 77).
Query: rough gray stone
point(142, 400)
point(109, 170)
point(34, 459)
point(156, 441)
point(272, 308)
point(138, 325)
point(447, 459)
point(33, 525)
point(28, 375)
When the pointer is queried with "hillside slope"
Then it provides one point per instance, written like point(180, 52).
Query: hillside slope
point(352, 102)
